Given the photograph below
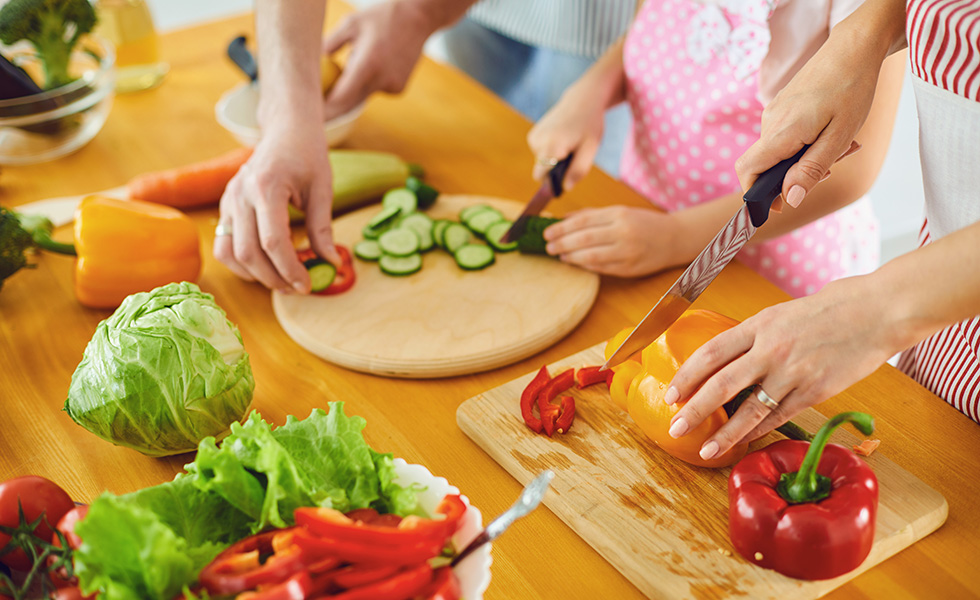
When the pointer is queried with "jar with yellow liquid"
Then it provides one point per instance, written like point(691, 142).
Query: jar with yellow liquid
point(128, 24)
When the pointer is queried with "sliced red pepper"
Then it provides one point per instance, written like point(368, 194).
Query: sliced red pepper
point(329, 523)
point(609, 377)
point(564, 422)
point(549, 412)
point(444, 586)
point(530, 395)
point(360, 575)
point(345, 277)
point(587, 376)
point(401, 586)
point(238, 568)
point(355, 552)
point(297, 587)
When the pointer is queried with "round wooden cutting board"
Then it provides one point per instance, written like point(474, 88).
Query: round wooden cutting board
point(441, 321)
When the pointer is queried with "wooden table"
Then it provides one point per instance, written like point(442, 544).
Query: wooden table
point(470, 142)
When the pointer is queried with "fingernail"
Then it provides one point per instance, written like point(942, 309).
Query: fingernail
point(672, 395)
point(678, 429)
point(299, 287)
point(795, 196)
point(709, 450)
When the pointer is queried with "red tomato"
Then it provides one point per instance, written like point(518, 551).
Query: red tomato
point(37, 496)
point(66, 526)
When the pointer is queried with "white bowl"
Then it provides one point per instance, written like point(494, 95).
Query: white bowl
point(474, 571)
point(236, 111)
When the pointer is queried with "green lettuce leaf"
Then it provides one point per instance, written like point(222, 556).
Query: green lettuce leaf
point(151, 543)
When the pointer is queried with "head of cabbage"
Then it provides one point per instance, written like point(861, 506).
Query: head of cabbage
point(165, 371)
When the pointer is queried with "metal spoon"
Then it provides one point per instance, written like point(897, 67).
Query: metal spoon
point(529, 499)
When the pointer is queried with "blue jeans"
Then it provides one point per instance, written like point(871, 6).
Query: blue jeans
point(529, 78)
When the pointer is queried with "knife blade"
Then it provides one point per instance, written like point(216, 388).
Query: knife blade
point(719, 252)
point(551, 187)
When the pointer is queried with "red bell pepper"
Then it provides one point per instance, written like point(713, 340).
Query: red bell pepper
point(806, 510)
point(564, 421)
point(444, 586)
point(549, 412)
point(400, 586)
point(239, 567)
point(345, 277)
point(530, 396)
point(587, 376)
point(297, 587)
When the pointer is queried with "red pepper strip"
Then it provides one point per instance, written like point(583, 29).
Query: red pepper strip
point(549, 412)
point(345, 277)
point(355, 552)
point(587, 376)
point(815, 523)
point(444, 586)
point(564, 422)
point(609, 377)
point(329, 523)
point(297, 587)
point(529, 396)
point(401, 586)
point(360, 575)
point(453, 507)
point(238, 569)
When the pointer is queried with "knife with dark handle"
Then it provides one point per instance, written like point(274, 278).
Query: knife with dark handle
point(753, 213)
point(552, 187)
point(239, 54)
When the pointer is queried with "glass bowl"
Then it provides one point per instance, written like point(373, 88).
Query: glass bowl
point(53, 123)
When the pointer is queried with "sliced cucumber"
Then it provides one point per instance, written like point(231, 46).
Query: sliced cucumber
point(471, 210)
point(367, 250)
point(402, 199)
point(399, 242)
point(497, 231)
point(474, 257)
point(455, 236)
point(321, 273)
point(400, 265)
point(532, 240)
point(417, 222)
point(425, 194)
point(438, 229)
point(425, 241)
point(481, 221)
point(384, 218)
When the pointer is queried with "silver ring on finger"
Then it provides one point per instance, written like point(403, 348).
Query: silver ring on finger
point(222, 229)
point(765, 399)
point(547, 161)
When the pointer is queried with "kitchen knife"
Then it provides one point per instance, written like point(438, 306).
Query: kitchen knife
point(239, 54)
point(719, 252)
point(551, 187)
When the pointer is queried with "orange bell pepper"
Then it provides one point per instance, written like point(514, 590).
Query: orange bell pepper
point(129, 246)
point(624, 372)
point(660, 360)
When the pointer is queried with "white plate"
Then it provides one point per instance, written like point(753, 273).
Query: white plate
point(474, 571)
point(236, 111)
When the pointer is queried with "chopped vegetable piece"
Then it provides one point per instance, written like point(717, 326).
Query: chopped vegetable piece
point(399, 242)
point(496, 232)
point(564, 421)
point(587, 376)
point(471, 210)
point(455, 236)
point(867, 447)
point(400, 265)
point(481, 221)
point(385, 217)
point(402, 199)
point(344, 278)
point(474, 257)
point(438, 229)
point(321, 273)
point(529, 398)
point(550, 412)
point(367, 250)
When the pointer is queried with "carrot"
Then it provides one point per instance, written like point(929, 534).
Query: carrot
point(190, 186)
point(866, 447)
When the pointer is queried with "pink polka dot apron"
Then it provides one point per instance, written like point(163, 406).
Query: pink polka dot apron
point(692, 82)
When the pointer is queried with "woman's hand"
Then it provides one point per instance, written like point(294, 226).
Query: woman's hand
point(574, 124)
point(290, 165)
point(617, 240)
point(801, 352)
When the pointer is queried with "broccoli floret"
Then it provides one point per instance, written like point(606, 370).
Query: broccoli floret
point(53, 26)
point(21, 233)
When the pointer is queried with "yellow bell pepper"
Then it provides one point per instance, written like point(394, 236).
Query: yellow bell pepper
point(660, 361)
point(129, 246)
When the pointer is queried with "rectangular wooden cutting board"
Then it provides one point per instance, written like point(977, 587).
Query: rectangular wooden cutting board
point(661, 522)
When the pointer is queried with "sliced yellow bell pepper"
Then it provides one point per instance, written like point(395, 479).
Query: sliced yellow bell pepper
point(129, 246)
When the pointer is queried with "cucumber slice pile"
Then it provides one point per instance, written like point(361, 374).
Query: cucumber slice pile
point(397, 236)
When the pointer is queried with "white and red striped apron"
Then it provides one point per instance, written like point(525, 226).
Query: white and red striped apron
point(944, 48)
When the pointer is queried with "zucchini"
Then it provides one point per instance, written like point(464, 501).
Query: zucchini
point(497, 231)
point(401, 198)
point(473, 257)
point(367, 250)
point(399, 242)
point(400, 265)
point(321, 273)
point(455, 236)
point(532, 240)
point(425, 194)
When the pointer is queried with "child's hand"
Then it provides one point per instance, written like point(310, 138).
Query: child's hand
point(615, 240)
point(573, 124)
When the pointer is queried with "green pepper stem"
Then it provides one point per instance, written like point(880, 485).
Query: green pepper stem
point(806, 485)
point(43, 240)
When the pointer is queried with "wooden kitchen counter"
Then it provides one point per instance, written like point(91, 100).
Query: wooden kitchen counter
point(468, 142)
